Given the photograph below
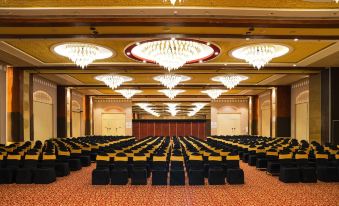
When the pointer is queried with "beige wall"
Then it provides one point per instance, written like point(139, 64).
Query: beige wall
point(232, 106)
point(264, 101)
point(111, 106)
point(41, 84)
point(3, 101)
point(299, 88)
point(315, 107)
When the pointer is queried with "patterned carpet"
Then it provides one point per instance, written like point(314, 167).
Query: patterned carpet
point(259, 189)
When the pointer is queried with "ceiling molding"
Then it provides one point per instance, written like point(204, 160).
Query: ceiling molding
point(319, 55)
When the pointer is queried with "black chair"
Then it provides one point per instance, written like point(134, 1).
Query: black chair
point(7, 174)
point(139, 170)
point(289, 172)
point(177, 174)
point(196, 170)
point(101, 174)
point(119, 173)
point(325, 171)
point(25, 174)
point(216, 174)
point(159, 170)
point(46, 173)
point(234, 175)
point(307, 171)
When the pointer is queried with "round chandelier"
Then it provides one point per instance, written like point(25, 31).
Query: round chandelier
point(230, 80)
point(171, 93)
point(171, 80)
point(147, 107)
point(173, 1)
point(113, 81)
point(82, 54)
point(258, 55)
point(128, 93)
point(196, 109)
point(214, 93)
point(172, 53)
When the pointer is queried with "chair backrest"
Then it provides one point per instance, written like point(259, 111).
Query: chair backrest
point(31, 160)
point(103, 161)
point(159, 162)
point(177, 162)
point(196, 162)
point(13, 160)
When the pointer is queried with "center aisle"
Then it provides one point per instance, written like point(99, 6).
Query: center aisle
point(259, 189)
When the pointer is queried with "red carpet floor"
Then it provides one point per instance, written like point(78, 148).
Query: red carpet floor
point(259, 189)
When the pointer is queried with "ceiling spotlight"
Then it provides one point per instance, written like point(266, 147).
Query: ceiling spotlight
point(171, 80)
point(295, 39)
point(230, 80)
point(259, 55)
point(128, 93)
point(173, 53)
point(113, 80)
point(171, 93)
point(82, 54)
point(214, 93)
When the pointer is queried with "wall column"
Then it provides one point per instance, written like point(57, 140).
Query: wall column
point(315, 108)
point(87, 114)
point(283, 111)
point(255, 115)
point(61, 112)
point(334, 88)
point(3, 105)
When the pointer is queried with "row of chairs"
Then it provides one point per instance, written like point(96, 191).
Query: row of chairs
point(289, 159)
point(168, 160)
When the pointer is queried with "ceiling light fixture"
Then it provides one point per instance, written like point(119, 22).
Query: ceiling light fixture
point(230, 80)
point(172, 108)
point(172, 53)
point(128, 93)
point(113, 80)
point(196, 109)
point(214, 93)
point(171, 93)
point(173, 1)
point(259, 55)
point(147, 108)
point(82, 54)
point(171, 80)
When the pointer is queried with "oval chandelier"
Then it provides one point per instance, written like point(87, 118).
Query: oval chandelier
point(171, 93)
point(214, 93)
point(113, 81)
point(128, 93)
point(147, 107)
point(172, 53)
point(258, 55)
point(196, 109)
point(230, 80)
point(82, 54)
point(171, 80)
point(172, 108)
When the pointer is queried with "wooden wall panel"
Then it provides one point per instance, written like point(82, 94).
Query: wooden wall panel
point(144, 128)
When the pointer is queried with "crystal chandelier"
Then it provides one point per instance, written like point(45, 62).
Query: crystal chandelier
point(172, 108)
point(171, 93)
point(128, 93)
point(230, 80)
point(258, 55)
point(82, 54)
point(196, 109)
point(172, 53)
point(171, 80)
point(113, 80)
point(147, 108)
point(173, 1)
point(214, 93)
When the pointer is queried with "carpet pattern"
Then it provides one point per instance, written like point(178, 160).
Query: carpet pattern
point(259, 189)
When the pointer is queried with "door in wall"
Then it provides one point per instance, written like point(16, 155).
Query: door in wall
point(302, 122)
point(266, 122)
point(113, 124)
point(43, 121)
point(76, 124)
point(228, 124)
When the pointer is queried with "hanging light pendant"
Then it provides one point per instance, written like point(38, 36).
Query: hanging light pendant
point(128, 93)
point(173, 1)
point(196, 109)
point(214, 93)
point(171, 93)
point(113, 81)
point(172, 108)
point(82, 54)
point(172, 53)
point(230, 80)
point(258, 55)
point(171, 80)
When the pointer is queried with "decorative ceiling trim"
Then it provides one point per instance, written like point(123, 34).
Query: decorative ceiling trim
point(320, 55)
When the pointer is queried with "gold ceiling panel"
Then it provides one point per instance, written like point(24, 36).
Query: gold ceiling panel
point(40, 49)
point(155, 92)
point(151, 3)
point(204, 79)
point(167, 30)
